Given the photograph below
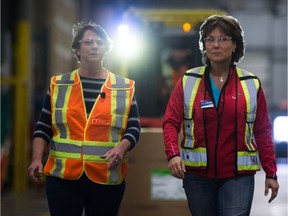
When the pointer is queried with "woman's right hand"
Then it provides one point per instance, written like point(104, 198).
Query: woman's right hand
point(177, 167)
point(35, 171)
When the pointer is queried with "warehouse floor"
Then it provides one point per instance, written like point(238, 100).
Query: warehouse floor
point(33, 202)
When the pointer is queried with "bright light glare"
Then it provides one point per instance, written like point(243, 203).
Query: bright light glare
point(280, 129)
point(129, 43)
point(186, 27)
point(123, 30)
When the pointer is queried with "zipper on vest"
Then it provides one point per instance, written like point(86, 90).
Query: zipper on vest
point(236, 129)
point(219, 125)
point(216, 146)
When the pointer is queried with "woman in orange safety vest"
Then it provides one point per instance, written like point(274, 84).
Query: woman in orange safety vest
point(90, 119)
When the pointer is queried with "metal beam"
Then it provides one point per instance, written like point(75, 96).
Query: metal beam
point(172, 17)
point(21, 107)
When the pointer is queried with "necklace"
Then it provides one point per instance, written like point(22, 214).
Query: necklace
point(221, 79)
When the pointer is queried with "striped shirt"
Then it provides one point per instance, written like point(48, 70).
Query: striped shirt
point(91, 90)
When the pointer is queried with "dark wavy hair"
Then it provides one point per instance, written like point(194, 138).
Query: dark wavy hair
point(80, 28)
point(230, 27)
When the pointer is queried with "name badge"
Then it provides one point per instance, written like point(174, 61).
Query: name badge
point(206, 104)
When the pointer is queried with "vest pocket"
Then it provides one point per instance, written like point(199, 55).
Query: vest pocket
point(104, 129)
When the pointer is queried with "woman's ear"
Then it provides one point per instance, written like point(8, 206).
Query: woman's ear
point(234, 47)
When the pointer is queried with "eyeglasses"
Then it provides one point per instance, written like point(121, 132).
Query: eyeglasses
point(90, 42)
point(220, 40)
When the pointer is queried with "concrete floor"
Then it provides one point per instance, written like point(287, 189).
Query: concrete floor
point(33, 202)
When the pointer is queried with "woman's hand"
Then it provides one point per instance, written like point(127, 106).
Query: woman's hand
point(274, 186)
point(177, 167)
point(35, 171)
point(115, 155)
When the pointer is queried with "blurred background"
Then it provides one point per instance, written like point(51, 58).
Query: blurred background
point(154, 43)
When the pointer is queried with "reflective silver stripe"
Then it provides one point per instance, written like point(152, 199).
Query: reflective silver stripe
point(72, 148)
point(60, 112)
point(65, 147)
point(189, 141)
point(59, 167)
point(248, 161)
point(59, 123)
point(250, 87)
point(118, 121)
point(120, 82)
point(188, 121)
point(251, 113)
point(95, 150)
point(190, 89)
point(65, 79)
point(121, 85)
point(114, 175)
point(194, 157)
point(61, 95)
point(121, 104)
point(115, 129)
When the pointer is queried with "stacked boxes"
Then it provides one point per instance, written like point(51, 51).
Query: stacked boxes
point(150, 188)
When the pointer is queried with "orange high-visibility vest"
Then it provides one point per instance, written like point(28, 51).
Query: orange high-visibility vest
point(79, 140)
point(196, 156)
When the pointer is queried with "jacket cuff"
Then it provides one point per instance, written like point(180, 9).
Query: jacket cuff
point(272, 177)
point(172, 157)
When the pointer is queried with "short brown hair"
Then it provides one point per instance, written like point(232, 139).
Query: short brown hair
point(80, 28)
point(231, 27)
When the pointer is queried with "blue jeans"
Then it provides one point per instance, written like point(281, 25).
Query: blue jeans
point(219, 197)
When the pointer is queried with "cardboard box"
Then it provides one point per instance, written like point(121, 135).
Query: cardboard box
point(150, 188)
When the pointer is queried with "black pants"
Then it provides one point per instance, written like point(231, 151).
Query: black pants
point(70, 197)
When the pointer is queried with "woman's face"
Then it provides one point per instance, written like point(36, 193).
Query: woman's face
point(219, 47)
point(92, 48)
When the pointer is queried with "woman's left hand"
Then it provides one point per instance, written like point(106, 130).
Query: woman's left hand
point(115, 155)
point(273, 185)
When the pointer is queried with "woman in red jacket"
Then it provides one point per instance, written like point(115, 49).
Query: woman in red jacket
point(226, 131)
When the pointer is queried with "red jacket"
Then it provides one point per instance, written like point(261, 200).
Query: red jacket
point(220, 141)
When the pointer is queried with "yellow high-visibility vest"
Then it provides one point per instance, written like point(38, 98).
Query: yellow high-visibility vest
point(197, 156)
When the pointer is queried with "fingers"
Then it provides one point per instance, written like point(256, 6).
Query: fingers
point(274, 186)
point(178, 173)
point(35, 174)
point(113, 158)
point(273, 196)
point(114, 163)
point(266, 191)
point(177, 167)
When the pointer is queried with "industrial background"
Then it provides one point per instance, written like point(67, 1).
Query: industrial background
point(36, 44)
